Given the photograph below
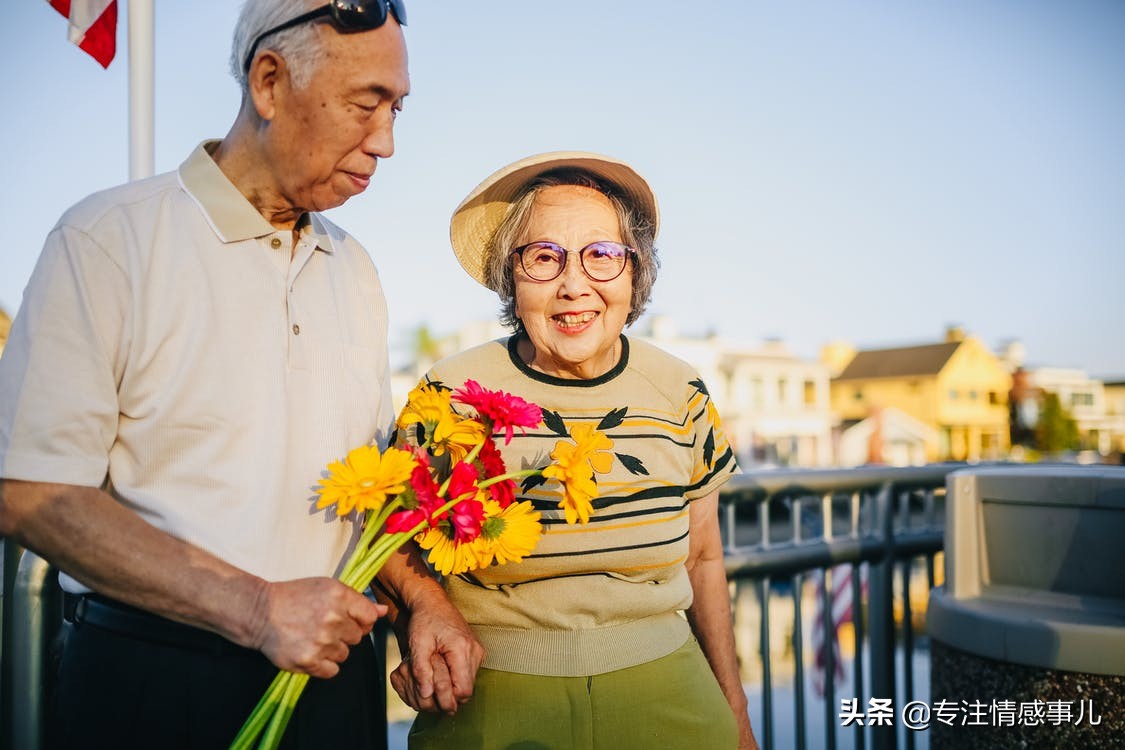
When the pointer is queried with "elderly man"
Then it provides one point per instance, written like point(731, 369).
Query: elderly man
point(191, 351)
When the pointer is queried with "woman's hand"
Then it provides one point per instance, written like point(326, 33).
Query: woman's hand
point(441, 655)
point(441, 659)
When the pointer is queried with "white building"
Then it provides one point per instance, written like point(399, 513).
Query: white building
point(889, 436)
point(774, 405)
point(1084, 397)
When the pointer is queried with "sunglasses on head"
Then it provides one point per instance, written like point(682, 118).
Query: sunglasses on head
point(347, 15)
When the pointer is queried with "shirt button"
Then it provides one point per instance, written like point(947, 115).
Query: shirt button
point(275, 243)
point(296, 330)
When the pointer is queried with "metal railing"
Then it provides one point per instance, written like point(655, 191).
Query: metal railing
point(777, 525)
point(782, 525)
point(32, 616)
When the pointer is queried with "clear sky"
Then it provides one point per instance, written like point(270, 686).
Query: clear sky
point(869, 171)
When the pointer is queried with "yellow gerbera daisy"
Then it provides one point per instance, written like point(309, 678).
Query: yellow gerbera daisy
point(365, 479)
point(508, 534)
point(447, 556)
point(443, 429)
point(457, 436)
point(427, 405)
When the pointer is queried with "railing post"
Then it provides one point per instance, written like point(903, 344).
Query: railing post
point(881, 612)
point(764, 632)
point(11, 560)
point(24, 698)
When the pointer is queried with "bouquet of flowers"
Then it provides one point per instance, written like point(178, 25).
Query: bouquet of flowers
point(451, 492)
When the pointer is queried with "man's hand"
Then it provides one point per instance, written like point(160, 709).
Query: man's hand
point(440, 666)
point(308, 625)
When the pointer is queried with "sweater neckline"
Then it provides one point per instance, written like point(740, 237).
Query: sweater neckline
point(543, 377)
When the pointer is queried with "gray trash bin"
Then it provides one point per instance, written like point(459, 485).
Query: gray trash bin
point(1028, 632)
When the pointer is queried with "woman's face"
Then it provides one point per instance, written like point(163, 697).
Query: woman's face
point(573, 322)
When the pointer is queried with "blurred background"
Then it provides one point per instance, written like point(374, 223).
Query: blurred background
point(889, 229)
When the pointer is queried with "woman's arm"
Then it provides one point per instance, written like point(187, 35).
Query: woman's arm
point(710, 615)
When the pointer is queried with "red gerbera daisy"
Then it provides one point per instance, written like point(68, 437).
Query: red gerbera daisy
point(492, 465)
point(426, 489)
point(503, 411)
point(466, 519)
point(462, 482)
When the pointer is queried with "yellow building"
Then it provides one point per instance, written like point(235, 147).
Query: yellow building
point(5, 327)
point(958, 387)
point(1115, 410)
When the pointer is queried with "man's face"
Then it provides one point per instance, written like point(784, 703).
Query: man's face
point(326, 137)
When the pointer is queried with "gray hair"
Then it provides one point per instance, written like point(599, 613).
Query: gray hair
point(300, 45)
point(637, 231)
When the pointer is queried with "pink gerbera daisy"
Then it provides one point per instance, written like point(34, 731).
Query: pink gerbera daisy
point(502, 410)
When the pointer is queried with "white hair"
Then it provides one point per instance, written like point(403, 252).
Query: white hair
point(300, 45)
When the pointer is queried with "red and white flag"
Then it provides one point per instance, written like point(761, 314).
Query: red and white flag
point(841, 601)
point(93, 26)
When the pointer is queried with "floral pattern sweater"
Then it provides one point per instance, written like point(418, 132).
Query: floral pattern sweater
point(608, 594)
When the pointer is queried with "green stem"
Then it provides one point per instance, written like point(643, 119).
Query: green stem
point(262, 712)
point(510, 475)
point(363, 575)
point(380, 550)
point(372, 526)
point(281, 717)
point(359, 578)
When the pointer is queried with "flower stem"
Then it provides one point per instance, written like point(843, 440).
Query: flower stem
point(510, 475)
point(380, 552)
point(372, 526)
point(262, 712)
point(284, 711)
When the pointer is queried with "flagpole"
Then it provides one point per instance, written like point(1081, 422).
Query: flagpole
point(141, 88)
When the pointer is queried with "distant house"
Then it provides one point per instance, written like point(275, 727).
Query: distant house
point(1115, 409)
point(958, 388)
point(774, 404)
point(890, 437)
point(1085, 399)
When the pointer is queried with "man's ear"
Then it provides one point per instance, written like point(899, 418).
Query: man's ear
point(267, 74)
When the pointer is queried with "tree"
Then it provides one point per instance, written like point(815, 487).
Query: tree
point(425, 348)
point(1056, 429)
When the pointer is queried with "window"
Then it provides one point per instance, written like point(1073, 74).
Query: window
point(973, 395)
point(1082, 399)
point(953, 394)
point(810, 393)
point(858, 395)
point(756, 392)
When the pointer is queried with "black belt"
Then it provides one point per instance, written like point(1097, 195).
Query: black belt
point(107, 614)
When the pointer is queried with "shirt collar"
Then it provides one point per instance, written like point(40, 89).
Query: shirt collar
point(231, 216)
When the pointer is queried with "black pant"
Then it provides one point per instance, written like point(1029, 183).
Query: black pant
point(118, 690)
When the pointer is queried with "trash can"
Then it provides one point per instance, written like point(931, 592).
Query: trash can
point(1028, 632)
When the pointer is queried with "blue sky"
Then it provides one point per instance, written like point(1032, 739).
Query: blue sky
point(869, 171)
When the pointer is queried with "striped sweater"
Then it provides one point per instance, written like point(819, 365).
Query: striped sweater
point(607, 595)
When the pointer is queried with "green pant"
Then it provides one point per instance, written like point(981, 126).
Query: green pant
point(672, 702)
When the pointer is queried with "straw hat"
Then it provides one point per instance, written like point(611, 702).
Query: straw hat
point(483, 211)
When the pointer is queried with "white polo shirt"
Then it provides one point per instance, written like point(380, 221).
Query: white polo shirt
point(174, 348)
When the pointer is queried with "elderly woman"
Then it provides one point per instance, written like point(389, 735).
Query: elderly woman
point(587, 643)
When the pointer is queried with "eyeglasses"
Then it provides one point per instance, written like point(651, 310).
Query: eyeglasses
point(348, 15)
point(601, 261)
